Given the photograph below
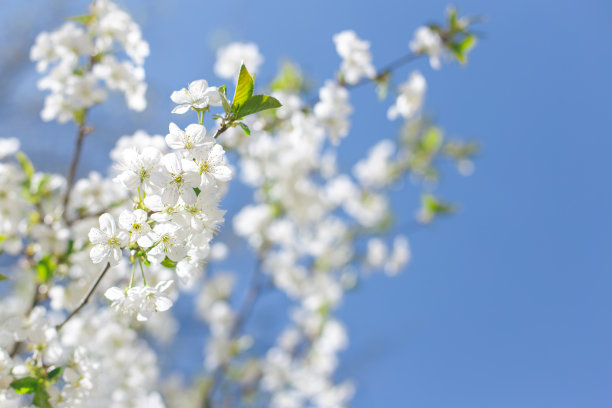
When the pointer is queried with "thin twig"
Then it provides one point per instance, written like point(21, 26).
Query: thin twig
point(222, 129)
point(393, 65)
point(35, 299)
point(86, 298)
point(82, 132)
point(247, 305)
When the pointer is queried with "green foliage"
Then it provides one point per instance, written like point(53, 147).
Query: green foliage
point(257, 103)
point(244, 89)
point(431, 207)
point(168, 263)
point(25, 385)
point(3, 277)
point(431, 140)
point(226, 103)
point(36, 386)
point(457, 36)
point(83, 18)
point(245, 128)
point(45, 268)
point(26, 165)
point(54, 373)
point(289, 79)
point(41, 397)
point(244, 102)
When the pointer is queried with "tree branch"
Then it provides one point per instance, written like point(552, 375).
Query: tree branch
point(386, 70)
point(86, 298)
point(82, 132)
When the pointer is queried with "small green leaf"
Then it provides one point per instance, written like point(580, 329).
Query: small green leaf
point(258, 103)
point(168, 263)
point(289, 79)
point(79, 116)
point(197, 191)
point(432, 139)
point(45, 269)
point(244, 89)
point(226, 103)
point(3, 277)
point(54, 373)
point(245, 128)
point(84, 18)
point(41, 397)
point(25, 385)
point(435, 206)
point(26, 164)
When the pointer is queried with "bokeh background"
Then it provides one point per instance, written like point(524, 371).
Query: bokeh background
point(507, 303)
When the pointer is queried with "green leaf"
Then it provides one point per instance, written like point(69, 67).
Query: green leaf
point(54, 373)
point(258, 103)
point(79, 116)
point(45, 268)
point(3, 277)
point(452, 18)
point(168, 263)
point(289, 79)
point(432, 139)
point(197, 191)
point(84, 18)
point(226, 103)
point(41, 397)
point(435, 206)
point(25, 385)
point(26, 164)
point(245, 128)
point(244, 89)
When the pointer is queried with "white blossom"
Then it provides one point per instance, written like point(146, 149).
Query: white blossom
point(410, 98)
point(356, 57)
point(107, 241)
point(232, 56)
point(198, 95)
point(429, 42)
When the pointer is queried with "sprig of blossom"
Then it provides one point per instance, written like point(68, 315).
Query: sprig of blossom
point(80, 54)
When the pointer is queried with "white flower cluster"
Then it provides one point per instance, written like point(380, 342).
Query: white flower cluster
point(83, 65)
point(427, 41)
point(305, 226)
point(410, 98)
point(176, 207)
point(232, 56)
point(356, 57)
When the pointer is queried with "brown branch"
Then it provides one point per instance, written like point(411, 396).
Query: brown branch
point(86, 298)
point(382, 73)
point(82, 132)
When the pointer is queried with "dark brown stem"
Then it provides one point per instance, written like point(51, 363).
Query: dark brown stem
point(86, 298)
point(82, 132)
point(222, 129)
point(393, 65)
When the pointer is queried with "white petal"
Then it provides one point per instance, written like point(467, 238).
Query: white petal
point(114, 293)
point(180, 97)
point(181, 109)
point(99, 253)
point(96, 236)
point(164, 285)
point(107, 224)
point(162, 304)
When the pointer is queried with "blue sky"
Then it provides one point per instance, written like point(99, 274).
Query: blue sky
point(506, 304)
